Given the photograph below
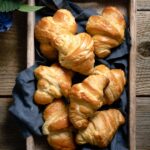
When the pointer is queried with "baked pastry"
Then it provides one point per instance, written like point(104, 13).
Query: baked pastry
point(102, 88)
point(57, 126)
point(102, 128)
point(85, 99)
point(115, 87)
point(107, 30)
point(53, 82)
point(75, 51)
point(62, 20)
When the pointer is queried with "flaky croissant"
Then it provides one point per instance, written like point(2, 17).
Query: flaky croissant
point(57, 126)
point(62, 20)
point(102, 128)
point(102, 88)
point(117, 81)
point(53, 82)
point(75, 51)
point(107, 30)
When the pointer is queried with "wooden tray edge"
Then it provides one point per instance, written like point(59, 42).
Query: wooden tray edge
point(30, 145)
point(132, 77)
point(30, 36)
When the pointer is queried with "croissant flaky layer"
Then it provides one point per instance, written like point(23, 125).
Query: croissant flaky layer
point(62, 20)
point(53, 82)
point(107, 30)
point(85, 99)
point(102, 128)
point(57, 126)
point(75, 51)
point(103, 87)
point(117, 81)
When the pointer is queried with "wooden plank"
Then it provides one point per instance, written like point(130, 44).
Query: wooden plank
point(30, 145)
point(143, 56)
point(143, 26)
point(143, 4)
point(12, 53)
point(10, 138)
point(30, 36)
point(132, 77)
point(143, 123)
point(100, 4)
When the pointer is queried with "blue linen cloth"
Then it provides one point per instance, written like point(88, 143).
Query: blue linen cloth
point(29, 115)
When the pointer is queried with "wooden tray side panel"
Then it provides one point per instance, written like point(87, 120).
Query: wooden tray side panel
point(132, 77)
point(30, 36)
point(30, 58)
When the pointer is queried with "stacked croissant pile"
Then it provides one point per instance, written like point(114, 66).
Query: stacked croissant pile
point(81, 120)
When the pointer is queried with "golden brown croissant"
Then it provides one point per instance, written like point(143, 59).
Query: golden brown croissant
point(107, 30)
point(85, 99)
point(57, 126)
point(53, 82)
point(116, 84)
point(102, 128)
point(103, 87)
point(62, 20)
point(75, 51)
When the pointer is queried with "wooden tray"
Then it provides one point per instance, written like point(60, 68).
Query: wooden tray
point(128, 9)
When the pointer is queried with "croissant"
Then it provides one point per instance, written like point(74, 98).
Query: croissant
point(62, 20)
point(102, 128)
point(107, 30)
point(85, 99)
point(116, 85)
point(103, 87)
point(75, 51)
point(57, 126)
point(53, 82)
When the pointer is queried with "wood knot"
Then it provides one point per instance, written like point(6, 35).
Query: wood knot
point(144, 49)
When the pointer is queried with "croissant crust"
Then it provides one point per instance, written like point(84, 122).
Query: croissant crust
point(102, 128)
point(53, 82)
point(107, 30)
point(57, 126)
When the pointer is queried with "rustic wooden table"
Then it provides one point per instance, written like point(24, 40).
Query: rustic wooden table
point(13, 60)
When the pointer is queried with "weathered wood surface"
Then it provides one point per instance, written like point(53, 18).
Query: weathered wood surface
point(10, 138)
point(143, 4)
point(13, 59)
point(143, 56)
point(12, 53)
point(143, 123)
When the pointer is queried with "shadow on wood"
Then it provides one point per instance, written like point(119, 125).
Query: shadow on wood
point(10, 138)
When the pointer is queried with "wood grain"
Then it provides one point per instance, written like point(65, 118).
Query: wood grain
point(30, 36)
point(12, 53)
point(143, 26)
point(143, 56)
point(10, 138)
point(132, 77)
point(143, 123)
point(143, 4)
